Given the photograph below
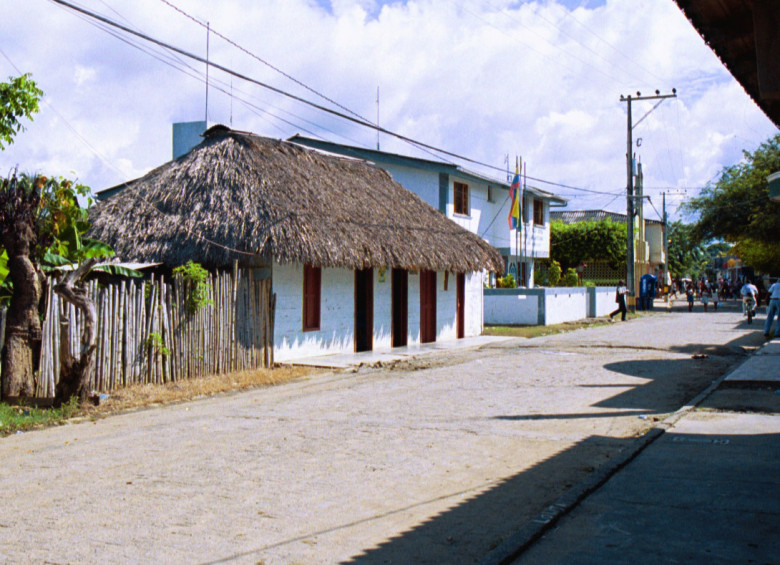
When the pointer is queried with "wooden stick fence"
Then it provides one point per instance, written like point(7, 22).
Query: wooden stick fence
point(145, 334)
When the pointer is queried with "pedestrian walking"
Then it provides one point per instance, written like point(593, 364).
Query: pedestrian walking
point(705, 295)
point(715, 298)
point(620, 299)
point(773, 310)
point(689, 295)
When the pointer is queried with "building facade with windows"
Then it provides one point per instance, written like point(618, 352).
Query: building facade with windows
point(475, 202)
point(356, 261)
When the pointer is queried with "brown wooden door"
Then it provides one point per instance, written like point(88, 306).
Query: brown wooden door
point(460, 293)
point(364, 310)
point(400, 307)
point(427, 306)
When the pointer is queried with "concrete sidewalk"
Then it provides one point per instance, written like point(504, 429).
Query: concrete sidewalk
point(385, 356)
point(703, 487)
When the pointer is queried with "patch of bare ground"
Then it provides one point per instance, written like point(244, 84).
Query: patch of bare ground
point(147, 395)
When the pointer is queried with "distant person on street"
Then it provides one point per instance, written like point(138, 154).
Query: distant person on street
point(773, 310)
point(620, 298)
point(715, 297)
point(705, 294)
point(689, 295)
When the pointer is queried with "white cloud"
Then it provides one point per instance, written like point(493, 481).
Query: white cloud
point(483, 79)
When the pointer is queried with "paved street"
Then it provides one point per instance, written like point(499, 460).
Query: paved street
point(440, 459)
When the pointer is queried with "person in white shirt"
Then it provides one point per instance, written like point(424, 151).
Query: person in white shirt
point(773, 309)
point(748, 291)
point(620, 298)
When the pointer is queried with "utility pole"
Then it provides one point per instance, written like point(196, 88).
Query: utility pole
point(630, 196)
point(665, 232)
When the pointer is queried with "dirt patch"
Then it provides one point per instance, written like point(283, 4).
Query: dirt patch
point(140, 396)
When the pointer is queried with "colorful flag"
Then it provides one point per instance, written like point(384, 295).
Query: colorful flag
point(514, 197)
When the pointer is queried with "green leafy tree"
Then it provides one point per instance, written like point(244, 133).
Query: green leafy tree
point(759, 254)
point(19, 98)
point(737, 208)
point(582, 242)
point(687, 253)
point(42, 228)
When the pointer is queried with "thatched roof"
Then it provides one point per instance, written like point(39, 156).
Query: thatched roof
point(238, 194)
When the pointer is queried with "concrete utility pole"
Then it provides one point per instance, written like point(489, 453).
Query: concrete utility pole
point(665, 232)
point(630, 196)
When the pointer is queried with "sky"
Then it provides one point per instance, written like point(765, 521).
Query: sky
point(488, 80)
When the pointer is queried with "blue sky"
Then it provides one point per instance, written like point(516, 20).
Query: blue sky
point(482, 78)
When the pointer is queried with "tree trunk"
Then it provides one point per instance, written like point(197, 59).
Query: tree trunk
point(23, 330)
point(75, 371)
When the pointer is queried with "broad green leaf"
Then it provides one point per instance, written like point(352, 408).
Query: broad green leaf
point(3, 266)
point(94, 248)
point(54, 260)
point(117, 270)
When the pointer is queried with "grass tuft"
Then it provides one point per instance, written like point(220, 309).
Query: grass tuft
point(15, 419)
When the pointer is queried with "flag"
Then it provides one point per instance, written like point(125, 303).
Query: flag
point(514, 197)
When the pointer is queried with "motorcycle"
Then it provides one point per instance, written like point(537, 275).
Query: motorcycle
point(750, 308)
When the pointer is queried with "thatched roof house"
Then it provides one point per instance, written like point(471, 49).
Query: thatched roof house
point(237, 194)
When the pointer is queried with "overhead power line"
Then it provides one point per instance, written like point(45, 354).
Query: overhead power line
point(354, 119)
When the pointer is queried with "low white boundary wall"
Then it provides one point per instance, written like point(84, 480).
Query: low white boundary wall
point(602, 301)
point(546, 306)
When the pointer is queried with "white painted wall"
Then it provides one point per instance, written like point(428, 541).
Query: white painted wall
point(547, 306)
point(655, 238)
point(509, 307)
point(423, 183)
point(604, 301)
point(446, 318)
point(565, 304)
point(487, 218)
point(337, 315)
point(474, 304)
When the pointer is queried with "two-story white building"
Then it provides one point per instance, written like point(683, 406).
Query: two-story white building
point(476, 202)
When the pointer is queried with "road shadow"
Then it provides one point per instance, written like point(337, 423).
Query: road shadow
point(674, 382)
point(471, 529)
point(690, 498)
point(667, 384)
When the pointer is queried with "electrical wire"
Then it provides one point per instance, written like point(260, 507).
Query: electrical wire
point(353, 119)
point(70, 126)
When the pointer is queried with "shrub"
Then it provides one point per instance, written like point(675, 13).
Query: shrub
point(540, 276)
point(570, 278)
point(196, 285)
point(506, 282)
point(554, 273)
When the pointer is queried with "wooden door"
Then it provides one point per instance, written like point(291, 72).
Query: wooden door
point(460, 306)
point(400, 307)
point(364, 310)
point(427, 306)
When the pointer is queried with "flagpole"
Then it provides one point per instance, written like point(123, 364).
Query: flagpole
point(522, 201)
point(517, 232)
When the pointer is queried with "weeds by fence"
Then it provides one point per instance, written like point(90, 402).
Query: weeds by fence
point(146, 334)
